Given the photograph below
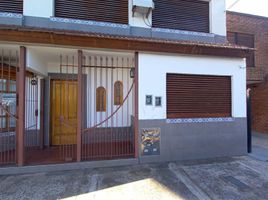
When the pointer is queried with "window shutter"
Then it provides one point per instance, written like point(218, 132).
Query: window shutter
point(191, 15)
point(12, 6)
point(248, 41)
point(194, 96)
point(244, 39)
point(96, 10)
point(231, 37)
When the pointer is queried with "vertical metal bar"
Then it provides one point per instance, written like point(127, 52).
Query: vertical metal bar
point(117, 125)
point(136, 103)
point(249, 131)
point(26, 110)
point(65, 110)
point(90, 108)
point(2, 157)
point(79, 105)
point(31, 101)
point(122, 110)
point(21, 109)
point(112, 108)
point(41, 113)
point(16, 110)
point(127, 138)
point(7, 107)
point(72, 81)
point(107, 97)
point(61, 83)
point(100, 147)
point(37, 112)
point(94, 108)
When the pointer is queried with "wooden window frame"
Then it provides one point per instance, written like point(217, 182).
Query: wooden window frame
point(101, 102)
point(7, 73)
point(118, 93)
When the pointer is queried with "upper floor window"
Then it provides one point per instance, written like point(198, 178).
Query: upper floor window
point(96, 10)
point(244, 40)
point(190, 15)
point(100, 99)
point(118, 93)
point(12, 6)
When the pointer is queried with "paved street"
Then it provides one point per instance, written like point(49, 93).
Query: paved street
point(230, 178)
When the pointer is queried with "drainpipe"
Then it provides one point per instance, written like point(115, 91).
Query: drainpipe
point(249, 118)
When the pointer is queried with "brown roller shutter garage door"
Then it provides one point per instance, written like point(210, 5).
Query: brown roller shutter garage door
point(194, 96)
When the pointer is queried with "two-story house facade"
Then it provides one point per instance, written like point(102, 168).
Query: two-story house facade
point(123, 82)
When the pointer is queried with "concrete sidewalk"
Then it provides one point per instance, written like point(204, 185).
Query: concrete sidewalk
point(230, 178)
point(259, 146)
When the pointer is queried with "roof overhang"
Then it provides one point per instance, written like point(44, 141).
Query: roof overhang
point(28, 35)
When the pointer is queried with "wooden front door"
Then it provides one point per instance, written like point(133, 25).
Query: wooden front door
point(63, 112)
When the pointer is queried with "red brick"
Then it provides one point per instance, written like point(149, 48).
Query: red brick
point(258, 75)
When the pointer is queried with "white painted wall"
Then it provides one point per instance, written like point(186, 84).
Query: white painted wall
point(138, 20)
point(122, 118)
point(152, 79)
point(218, 17)
point(38, 8)
point(36, 62)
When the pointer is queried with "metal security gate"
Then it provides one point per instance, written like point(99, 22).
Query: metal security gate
point(33, 132)
point(63, 103)
point(107, 107)
point(8, 99)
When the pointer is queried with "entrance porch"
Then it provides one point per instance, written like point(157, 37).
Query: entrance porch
point(63, 105)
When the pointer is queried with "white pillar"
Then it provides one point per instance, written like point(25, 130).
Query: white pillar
point(38, 8)
point(217, 17)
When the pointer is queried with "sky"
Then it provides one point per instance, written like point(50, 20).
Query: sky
point(255, 7)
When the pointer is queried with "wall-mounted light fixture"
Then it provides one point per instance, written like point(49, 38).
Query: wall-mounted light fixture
point(132, 72)
point(34, 81)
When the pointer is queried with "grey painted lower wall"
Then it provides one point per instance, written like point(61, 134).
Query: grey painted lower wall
point(186, 141)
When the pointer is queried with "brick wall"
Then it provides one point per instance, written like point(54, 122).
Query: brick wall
point(259, 99)
point(258, 26)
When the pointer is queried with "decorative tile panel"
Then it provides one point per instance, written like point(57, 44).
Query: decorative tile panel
point(164, 30)
point(88, 22)
point(11, 15)
point(199, 120)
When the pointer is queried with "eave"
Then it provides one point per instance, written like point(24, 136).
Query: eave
point(77, 39)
